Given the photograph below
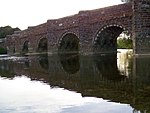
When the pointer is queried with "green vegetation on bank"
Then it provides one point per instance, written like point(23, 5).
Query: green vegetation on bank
point(7, 30)
point(4, 31)
point(124, 43)
point(3, 50)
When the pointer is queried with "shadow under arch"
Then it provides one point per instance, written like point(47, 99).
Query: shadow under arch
point(42, 45)
point(14, 49)
point(25, 48)
point(69, 43)
point(107, 67)
point(70, 62)
point(105, 40)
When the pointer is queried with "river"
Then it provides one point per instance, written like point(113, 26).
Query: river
point(74, 83)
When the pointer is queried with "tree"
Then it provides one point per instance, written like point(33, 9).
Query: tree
point(124, 41)
point(3, 50)
point(4, 31)
point(7, 30)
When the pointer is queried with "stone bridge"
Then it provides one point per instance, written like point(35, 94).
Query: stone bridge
point(88, 31)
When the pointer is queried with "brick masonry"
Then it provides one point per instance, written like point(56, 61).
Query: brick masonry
point(141, 26)
point(87, 25)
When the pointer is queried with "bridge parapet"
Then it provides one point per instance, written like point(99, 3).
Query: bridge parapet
point(84, 17)
point(24, 33)
point(17, 32)
point(64, 23)
point(37, 30)
point(109, 13)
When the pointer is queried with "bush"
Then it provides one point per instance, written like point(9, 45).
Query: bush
point(7, 30)
point(124, 43)
point(3, 50)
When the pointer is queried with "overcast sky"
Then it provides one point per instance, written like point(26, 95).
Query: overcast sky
point(24, 13)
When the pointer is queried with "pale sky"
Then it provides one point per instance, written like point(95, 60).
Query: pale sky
point(24, 13)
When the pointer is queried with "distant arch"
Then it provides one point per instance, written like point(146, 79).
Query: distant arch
point(25, 48)
point(42, 45)
point(43, 61)
point(14, 49)
point(68, 43)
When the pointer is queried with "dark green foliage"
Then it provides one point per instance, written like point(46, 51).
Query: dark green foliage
point(124, 43)
point(7, 30)
point(3, 51)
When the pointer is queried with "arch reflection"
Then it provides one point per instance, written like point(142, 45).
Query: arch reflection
point(43, 61)
point(70, 62)
point(107, 66)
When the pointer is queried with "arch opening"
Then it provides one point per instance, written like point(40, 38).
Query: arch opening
point(25, 48)
point(14, 49)
point(106, 39)
point(43, 45)
point(69, 43)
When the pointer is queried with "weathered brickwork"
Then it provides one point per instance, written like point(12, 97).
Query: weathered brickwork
point(141, 26)
point(86, 25)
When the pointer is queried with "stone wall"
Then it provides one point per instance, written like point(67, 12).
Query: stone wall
point(141, 26)
point(85, 25)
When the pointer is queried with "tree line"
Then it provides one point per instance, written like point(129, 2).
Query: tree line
point(4, 31)
point(7, 30)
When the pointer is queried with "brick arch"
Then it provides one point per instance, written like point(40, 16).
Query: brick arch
point(63, 34)
point(106, 37)
point(25, 46)
point(74, 44)
point(110, 25)
point(14, 49)
point(13, 46)
point(39, 42)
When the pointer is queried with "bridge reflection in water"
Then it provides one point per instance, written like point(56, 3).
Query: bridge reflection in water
point(97, 75)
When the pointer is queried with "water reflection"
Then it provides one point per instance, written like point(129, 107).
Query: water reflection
point(142, 83)
point(107, 67)
point(125, 61)
point(43, 60)
point(6, 70)
point(70, 62)
point(102, 76)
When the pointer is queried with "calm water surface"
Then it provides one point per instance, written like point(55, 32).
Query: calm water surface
point(73, 83)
